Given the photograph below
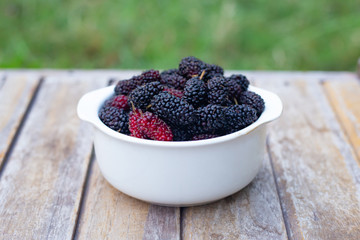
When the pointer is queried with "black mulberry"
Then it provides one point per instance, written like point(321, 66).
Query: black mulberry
point(173, 80)
point(195, 92)
point(181, 134)
point(170, 71)
point(151, 75)
point(191, 66)
point(204, 136)
point(237, 84)
point(239, 117)
point(142, 95)
point(175, 92)
point(173, 110)
point(210, 119)
point(218, 91)
point(124, 87)
point(212, 70)
point(252, 99)
point(116, 119)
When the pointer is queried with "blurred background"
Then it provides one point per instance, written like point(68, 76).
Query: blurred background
point(257, 34)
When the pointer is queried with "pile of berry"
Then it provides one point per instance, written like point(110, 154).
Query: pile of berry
point(194, 102)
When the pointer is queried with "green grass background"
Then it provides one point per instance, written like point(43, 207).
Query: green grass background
point(256, 34)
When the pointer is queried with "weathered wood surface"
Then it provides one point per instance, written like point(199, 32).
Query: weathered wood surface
point(41, 185)
point(119, 216)
point(315, 169)
point(344, 96)
point(110, 214)
point(252, 213)
point(16, 93)
point(49, 189)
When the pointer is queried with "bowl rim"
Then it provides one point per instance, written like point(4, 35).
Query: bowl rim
point(273, 109)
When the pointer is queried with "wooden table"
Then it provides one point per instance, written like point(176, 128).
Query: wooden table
point(51, 187)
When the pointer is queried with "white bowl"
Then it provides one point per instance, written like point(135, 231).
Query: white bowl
point(179, 173)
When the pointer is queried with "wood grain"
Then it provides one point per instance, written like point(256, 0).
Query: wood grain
point(41, 186)
point(109, 214)
point(345, 100)
point(316, 172)
point(317, 175)
point(16, 93)
point(252, 213)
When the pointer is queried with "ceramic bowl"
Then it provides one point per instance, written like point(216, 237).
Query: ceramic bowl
point(179, 173)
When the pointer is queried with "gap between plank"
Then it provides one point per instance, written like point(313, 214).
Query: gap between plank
point(84, 192)
point(2, 81)
point(21, 125)
point(287, 226)
point(85, 187)
point(182, 222)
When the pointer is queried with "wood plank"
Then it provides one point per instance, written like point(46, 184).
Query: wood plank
point(252, 213)
point(109, 214)
point(41, 186)
point(16, 93)
point(121, 216)
point(345, 100)
point(316, 171)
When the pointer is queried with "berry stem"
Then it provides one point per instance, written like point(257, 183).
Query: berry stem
point(236, 102)
point(202, 74)
point(132, 106)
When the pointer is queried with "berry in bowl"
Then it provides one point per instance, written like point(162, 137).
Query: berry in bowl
point(185, 136)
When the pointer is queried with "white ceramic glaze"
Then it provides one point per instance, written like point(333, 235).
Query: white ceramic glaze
point(179, 173)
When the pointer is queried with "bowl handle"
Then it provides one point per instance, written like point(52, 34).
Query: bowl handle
point(90, 101)
point(84, 108)
point(272, 101)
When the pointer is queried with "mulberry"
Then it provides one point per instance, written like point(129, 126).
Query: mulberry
point(134, 124)
point(174, 92)
point(218, 91)
point(119, 101)
point(151, 75)
point(237, 84)
point(126, 86)
point(149, 126)
point(204, 136)
point(169, 72)
point(210, 119)
point(212, 70)
point(173, 80)
point(192, 102)
point(191, 66)
point(254, 100)
point(142, 95)
point(173, 110)
point(114, 118)
point(195, 92)
point(239, 117)
point(181, 134)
